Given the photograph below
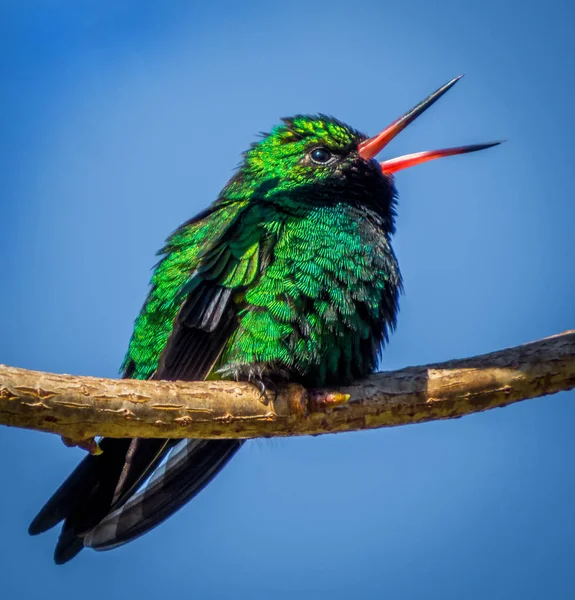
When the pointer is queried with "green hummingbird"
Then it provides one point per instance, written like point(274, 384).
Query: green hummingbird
point(289, 274)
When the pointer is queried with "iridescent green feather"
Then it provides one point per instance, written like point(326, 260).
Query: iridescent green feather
point(305, 247)
point(301, 312)
point(182, 254)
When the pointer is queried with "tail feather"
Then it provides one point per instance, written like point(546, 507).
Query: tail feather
point(100, 503)
point(68, 546)
point(192, 465)
point(82, 483)
point(95, 486)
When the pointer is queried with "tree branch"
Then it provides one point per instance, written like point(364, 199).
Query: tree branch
point(83, 407)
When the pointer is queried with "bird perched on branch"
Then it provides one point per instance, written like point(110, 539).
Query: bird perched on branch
point(289, 274)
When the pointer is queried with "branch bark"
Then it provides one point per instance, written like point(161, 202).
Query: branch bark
point(80, 408)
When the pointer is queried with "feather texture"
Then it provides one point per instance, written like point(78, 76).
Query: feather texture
point(290, 272)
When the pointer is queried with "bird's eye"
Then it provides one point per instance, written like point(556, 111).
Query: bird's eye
point(321, 156)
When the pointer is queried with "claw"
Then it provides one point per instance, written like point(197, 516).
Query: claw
point(261, 375)
point(259, 383)
point(266, 386)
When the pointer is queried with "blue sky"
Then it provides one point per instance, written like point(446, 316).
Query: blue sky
point(122, 119)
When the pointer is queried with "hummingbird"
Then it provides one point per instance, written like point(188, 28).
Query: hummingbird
point(288, 275)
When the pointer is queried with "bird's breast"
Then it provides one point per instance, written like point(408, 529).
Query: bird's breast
point(321, 307)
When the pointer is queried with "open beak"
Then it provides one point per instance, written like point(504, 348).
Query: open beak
point(371, 147)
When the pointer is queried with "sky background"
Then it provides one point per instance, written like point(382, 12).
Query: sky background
point(122, 119)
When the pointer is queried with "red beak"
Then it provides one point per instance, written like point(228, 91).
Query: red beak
point(371, 147)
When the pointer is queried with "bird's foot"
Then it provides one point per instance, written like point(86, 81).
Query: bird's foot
point(264, 376)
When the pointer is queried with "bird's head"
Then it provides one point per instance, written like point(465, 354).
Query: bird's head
point(310, 159)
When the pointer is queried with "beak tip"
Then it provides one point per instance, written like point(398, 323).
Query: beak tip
point(409, 160)
point(495, 143)
point(451, 83)
point(372, 146)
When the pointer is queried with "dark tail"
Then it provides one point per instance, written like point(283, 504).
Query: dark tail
point(101, 502)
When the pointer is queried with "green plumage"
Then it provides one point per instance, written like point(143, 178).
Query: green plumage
point(299, 253)
point(289, 274)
